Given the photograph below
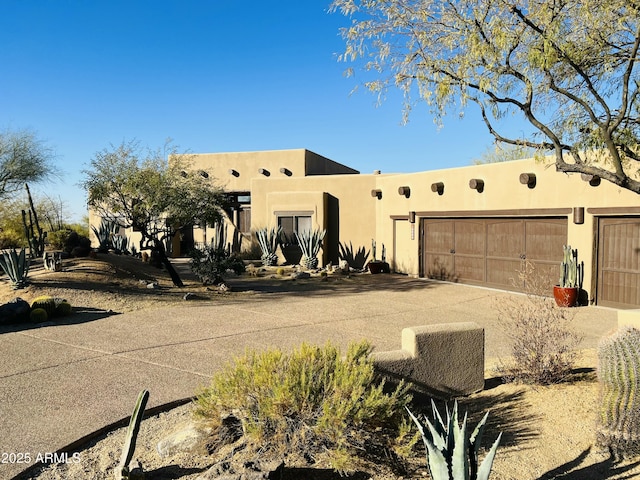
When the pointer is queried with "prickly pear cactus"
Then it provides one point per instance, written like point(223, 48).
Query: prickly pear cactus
point(619, 376)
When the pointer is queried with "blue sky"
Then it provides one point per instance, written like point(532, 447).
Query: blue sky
point(215, 76)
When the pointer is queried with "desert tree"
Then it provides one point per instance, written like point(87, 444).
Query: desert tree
point(23, 158)
point(568, 67)
point(151, 191)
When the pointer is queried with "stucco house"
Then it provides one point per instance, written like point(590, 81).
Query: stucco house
point(471, 224)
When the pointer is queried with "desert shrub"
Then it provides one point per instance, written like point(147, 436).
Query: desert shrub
point(543, 342)
point(311, 403)
point(211, 263)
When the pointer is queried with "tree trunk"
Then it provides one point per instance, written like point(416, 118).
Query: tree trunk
point(175, 278)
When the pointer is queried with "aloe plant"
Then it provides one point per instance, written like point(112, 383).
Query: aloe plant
point(451, 453)
point(310, 243)
point(123, 472)
point(16, 266)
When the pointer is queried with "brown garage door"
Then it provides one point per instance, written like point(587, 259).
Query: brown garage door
point(488, 251)
point(618, 262)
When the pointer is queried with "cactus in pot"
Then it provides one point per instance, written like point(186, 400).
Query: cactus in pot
point(571, 278)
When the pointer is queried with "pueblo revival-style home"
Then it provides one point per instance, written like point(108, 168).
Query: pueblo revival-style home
point(472, 225)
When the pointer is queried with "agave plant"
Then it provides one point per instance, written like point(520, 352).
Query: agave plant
point(310, 243)
point(451, 453)
point(105, 233)
point(355, 258)
point(269, 241)
point(16, 266)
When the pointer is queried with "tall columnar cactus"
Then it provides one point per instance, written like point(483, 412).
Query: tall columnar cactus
point(451, 453)
point(571, 271)
point(619, 376)
point(129, 447)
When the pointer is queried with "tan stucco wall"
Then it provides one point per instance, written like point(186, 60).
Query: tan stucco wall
point(247, 166)
point(502, 192)
point(352, 194)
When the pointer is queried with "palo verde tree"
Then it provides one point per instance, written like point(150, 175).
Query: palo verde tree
point(151, 192)
point(23, 158)
point(569, 67)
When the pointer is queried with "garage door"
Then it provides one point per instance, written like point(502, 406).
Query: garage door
point(489, 251)
point(619, 262)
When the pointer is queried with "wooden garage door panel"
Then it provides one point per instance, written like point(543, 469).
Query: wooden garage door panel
point(544, 239)
point(505, 238)
point(490, 251)
point(619, 262)
point(440, 267)
point(503, 273)
point(439, 237)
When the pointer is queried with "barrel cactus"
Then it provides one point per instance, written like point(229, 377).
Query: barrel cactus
point(38, 315)
point(63, 308)
point(619, 376)
point(46, 303)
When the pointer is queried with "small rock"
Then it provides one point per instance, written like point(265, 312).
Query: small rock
point(152, 286)
point(189, 439)
point(190, 296)
point(300, 275)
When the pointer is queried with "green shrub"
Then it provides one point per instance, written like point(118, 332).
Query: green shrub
point(311, 402)
point(38, 315)
point(211, 263)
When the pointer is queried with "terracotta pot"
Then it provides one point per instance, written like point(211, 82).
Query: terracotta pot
point(565, 297)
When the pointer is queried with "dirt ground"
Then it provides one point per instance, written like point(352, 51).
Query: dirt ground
point(548, 432)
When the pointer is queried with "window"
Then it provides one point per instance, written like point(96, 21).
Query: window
point(294, 223)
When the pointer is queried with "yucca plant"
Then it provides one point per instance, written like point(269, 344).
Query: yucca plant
point(269, 241)
point(451, 453)
point(310, 243)
point(16, 266)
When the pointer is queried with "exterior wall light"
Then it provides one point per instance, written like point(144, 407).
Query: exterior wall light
point(233, 172)
point(376, 193)
point(286, 171)
point(476, 184)
point(594, 180)
point(528, 179)
point(438, 188)
point(578, 215)
point(264, 171)
point(406, 191)
point(412, 217)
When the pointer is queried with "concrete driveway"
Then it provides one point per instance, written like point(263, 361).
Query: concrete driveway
point(61, 382)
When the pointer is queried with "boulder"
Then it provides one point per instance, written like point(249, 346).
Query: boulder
point(16, 311)
point(189, 438)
